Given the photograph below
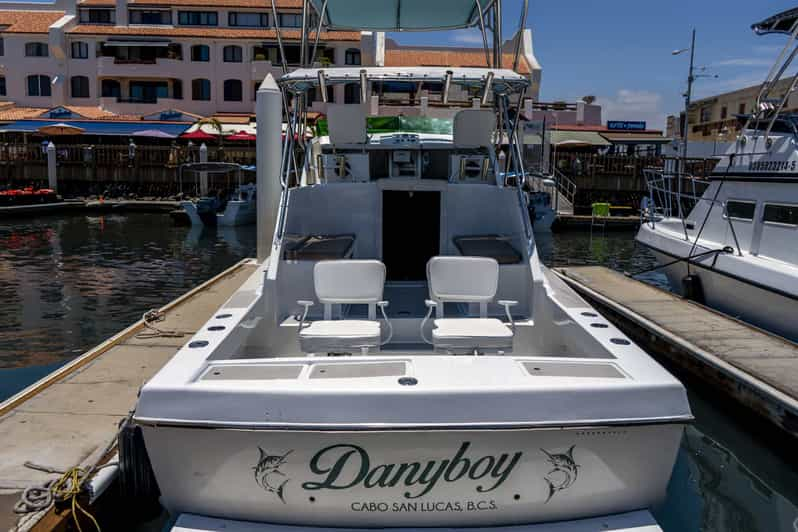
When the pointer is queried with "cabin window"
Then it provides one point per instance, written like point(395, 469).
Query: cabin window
point(781, 214)
point(740, 210)
point(36, 49)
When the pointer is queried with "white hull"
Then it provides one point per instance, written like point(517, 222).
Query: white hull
point(544, 220)
point(370, 478)
point(191, 211)
point(238, 213)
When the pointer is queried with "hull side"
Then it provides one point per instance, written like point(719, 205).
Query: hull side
point(736, 297)
point(412, 478)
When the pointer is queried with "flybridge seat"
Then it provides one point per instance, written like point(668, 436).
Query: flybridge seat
point(347, 123)
point(345, 282)
point(318, 247)
point(466, 280)
point(494, 246)
point(472, 135)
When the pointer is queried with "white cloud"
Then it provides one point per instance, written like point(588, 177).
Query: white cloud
point(744, 62)
point(628, 104)
point(469, 37)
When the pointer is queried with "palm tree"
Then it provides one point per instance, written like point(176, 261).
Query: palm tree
point(215, 124)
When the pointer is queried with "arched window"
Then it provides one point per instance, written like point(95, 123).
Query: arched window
point(352, 93)
point(352, 56)
point(233, 90)
point(109, 88)
point(200, 52)
point(2, 85)
point(38, 85)
point(233, 54)
point(201, 89)
point(79, 86)
point(37, 49)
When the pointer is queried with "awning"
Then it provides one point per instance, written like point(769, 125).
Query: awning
point(565, 139)
point(96, 127)
point(635, 138)
point(400, 15)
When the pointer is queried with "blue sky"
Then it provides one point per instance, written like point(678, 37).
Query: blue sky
point(620, 50)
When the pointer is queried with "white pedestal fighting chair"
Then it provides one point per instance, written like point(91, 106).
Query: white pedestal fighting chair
point(466, 280)
point(345, 282)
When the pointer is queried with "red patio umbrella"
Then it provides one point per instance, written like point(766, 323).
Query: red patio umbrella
point(198, 134)
point(241, 135)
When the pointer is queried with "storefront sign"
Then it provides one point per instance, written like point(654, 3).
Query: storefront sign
point(625, 125)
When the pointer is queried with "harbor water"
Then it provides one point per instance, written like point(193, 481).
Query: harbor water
point(68, 283)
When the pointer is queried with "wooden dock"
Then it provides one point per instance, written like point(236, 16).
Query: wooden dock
point(584, 222)
point(69, 417)
point(752, 367)
point(89, 207)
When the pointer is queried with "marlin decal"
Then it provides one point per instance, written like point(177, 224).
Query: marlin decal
point(268, 474)
point(563, 472)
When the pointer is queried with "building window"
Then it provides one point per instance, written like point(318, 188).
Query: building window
point(2, 85)
point(740, 210)
point(197, 18)
point(741, 109)
point(150, 17)
point(233, 54)
point(352, 56)
point(201, 90)
point(290, 20)
point(80, 50)
point(781, 214)
point(38, 85)
point(248, 20)
point(724, 112)
point(110, 88)
point(79, 86)
point(177, 89)
point(352, 93)
point(292, 54)
point(233, 90)
point(97, 16)
point(706, 114)
point(255, 87)
point(2, 47)
point(36, 49)
point(200, 52)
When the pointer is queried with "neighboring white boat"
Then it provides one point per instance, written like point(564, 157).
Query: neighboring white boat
point(402, 358)
point(229, 210)
point(734, 246)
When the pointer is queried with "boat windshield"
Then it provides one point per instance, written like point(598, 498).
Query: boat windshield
point(395, 124)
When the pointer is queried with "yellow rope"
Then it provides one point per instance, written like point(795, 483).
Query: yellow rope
point(68, 486)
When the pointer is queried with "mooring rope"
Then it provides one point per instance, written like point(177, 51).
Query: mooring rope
point(150, 318)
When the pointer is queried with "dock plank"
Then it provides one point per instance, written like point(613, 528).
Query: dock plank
point(762, 367)
point(70, 420)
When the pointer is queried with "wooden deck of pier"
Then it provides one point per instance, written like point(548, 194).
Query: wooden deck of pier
point(757, 369)
point(584, 222)
point(68, 418)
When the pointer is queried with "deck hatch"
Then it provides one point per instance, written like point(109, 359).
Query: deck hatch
point(252, 372)
point(358, 370)
point(572, 369)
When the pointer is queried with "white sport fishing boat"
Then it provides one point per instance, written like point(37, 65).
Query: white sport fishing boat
point(732, 241)
point(401, 358)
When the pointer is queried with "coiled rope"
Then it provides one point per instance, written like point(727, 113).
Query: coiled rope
point(150, 318)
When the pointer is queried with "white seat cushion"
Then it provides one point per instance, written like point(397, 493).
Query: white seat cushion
point(471, 333)
point(325, 336)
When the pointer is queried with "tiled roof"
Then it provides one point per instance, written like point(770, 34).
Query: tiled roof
point(233, 118)
point(28, 21)
point(10, 114)
point(263, 4)
point(254, 4)
point(456, 57)
point(208, 33)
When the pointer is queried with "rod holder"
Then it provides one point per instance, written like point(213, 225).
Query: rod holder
point(364, 87)
point(323, 86)
point(447, 84)
point(486, 89)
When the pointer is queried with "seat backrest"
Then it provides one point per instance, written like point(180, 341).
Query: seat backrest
point(349, 282)
point(346, 123)
point(474, 128)
point(463, 280)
